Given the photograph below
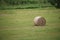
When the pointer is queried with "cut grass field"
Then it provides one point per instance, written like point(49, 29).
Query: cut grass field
point(18, 24)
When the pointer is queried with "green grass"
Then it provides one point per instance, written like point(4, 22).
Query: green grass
point(18, 24)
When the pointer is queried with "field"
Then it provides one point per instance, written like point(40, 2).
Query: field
point(18, 24)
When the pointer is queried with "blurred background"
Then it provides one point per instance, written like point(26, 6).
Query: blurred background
point(26, 4)
point(16, 19)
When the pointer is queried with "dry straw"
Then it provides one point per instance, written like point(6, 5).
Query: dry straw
point(39, 21)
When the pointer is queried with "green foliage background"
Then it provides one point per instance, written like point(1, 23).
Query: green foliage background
point(23, 4)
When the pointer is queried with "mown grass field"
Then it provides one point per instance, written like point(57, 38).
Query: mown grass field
point(18, 24)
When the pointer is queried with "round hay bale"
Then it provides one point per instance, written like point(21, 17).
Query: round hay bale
point(39, 21)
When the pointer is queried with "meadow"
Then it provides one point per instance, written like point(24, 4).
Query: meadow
point(18, 24)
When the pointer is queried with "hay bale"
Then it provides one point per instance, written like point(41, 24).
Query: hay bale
point(39, 21)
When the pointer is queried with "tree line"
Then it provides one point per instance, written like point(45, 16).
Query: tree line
point(18, 2)
point(56, 3)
